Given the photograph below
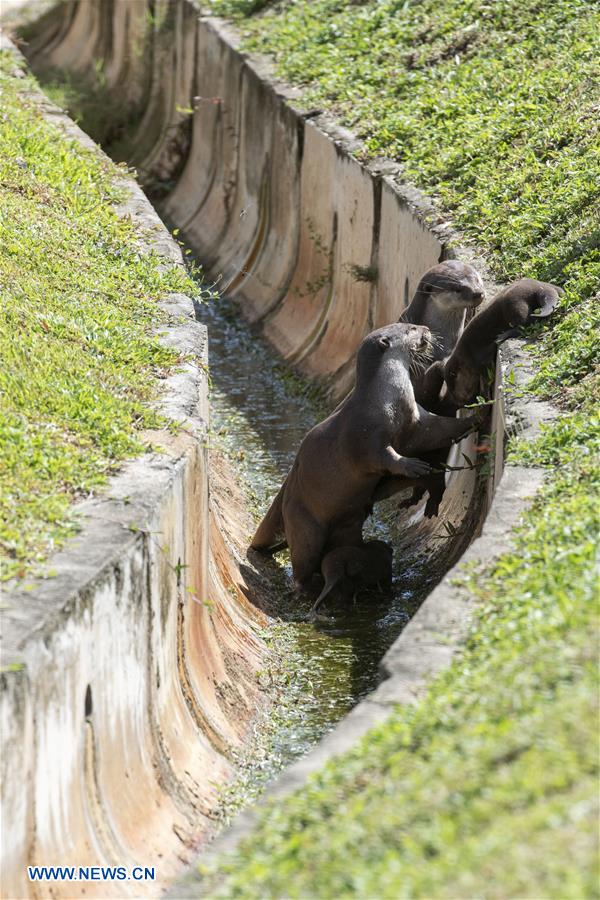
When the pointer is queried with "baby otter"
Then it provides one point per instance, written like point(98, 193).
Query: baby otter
point(350, 568)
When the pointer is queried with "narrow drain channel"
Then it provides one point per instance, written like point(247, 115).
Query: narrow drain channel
point(260, 419)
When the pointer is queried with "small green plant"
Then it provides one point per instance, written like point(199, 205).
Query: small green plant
point(363, 273)
point(325, 278)
point(238, 7)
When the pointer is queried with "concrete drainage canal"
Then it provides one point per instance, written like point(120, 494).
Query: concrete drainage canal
point(310, 251)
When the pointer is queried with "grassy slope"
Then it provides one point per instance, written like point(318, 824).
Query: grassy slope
point(488, 787)
point(80, 366)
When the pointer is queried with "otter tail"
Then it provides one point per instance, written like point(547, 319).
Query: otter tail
point(270, 531)
point(335, 566)
point(330, 583)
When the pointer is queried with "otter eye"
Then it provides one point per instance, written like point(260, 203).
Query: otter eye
point(384, 343)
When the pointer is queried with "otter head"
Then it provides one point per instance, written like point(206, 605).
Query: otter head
point(401, 341)
point(411, 345)
point(452, 286)
point(527, 299)
point(380, 551)
point(379, 557)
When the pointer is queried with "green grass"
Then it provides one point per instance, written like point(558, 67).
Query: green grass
point(488, 787)
point(81, 367)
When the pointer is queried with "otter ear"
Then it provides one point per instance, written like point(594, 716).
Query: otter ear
point(384, 344)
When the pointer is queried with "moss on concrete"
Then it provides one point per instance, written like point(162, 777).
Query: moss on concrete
point(488, 787)
point(81, 366)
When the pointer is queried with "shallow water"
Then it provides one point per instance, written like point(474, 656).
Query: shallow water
point(259, 415)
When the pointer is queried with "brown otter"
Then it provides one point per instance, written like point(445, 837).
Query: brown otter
point(375, 432)
point(433, 393)
point(443, 295)
point(350, 568)
point(519, 304)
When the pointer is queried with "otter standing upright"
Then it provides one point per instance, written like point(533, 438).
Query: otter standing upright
point(444, 295)
point(377, 431)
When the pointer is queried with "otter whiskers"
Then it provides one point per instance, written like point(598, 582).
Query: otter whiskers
point(420, 358)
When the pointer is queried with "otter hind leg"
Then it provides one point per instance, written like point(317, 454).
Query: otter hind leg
point(417, 495)
point(435, 483)
point(390, 485)
point(306, 539)
point(436, 487)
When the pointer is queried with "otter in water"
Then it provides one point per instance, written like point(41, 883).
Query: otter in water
point(377, 431)
point(519, 304)
point(351, 568)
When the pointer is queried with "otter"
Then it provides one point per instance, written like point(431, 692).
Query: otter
point(444, 296)
point(350, 568)
point(519, 304)
point(433, 393)
point(377, 431)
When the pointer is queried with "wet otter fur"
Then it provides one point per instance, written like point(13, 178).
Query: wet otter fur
point(447, 385)
point(377, 431)
point(519, 304)
point(348, 569)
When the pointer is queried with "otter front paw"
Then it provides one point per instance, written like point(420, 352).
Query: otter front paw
point(413, 468)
